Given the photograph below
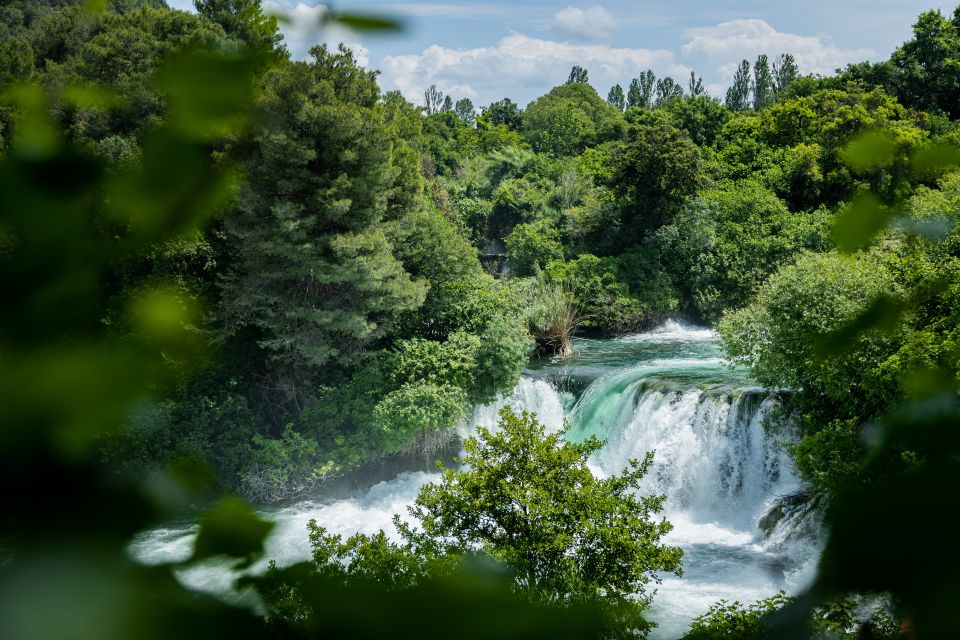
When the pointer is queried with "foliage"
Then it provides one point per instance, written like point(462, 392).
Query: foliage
point(526, 500)
point(569, 118)
point(836, 620)
point(737, 236)
point(777, 335)
point(735, 621)
point(653, 170)
point(530, 249)
point(312, 273)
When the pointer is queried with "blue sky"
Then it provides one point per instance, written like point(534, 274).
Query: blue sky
point(522, 48)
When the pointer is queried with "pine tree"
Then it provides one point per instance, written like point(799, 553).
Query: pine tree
point(313, 278)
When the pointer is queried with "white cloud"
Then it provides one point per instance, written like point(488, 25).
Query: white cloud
point(302, 28)
point(584, 22)
point(725, 44)
point(519, 66)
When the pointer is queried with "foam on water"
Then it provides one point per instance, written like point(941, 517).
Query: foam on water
point(672, 331)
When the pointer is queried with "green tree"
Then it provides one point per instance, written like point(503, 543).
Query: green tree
point(640, 92)
point(653, 171)
point(464, 110)
point(724, 244)
point(777, 335)
point(926, 69)
point(616, 98)
point(242, 19)
point(527, 500)
point(16, 60)
point(738, 95)
point(530, 248)
point(578, 75)
point(764, 86)
point(569, 118)
point(433, 100)
point(666, 92)
point(505, 112)
point(701, 116)
point(785, 72)
point(312, 272)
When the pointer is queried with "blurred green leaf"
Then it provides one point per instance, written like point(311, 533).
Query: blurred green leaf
point(175, 188)
point(233, 529)
point(859, 222)
point(162, 313)
point(883, 314)
point(95, 6)
point(91, 96)
point(34, 135)
point(210, 95)
point(8, 241)
point(364, 22)
point(869, 151)
point(935, 157)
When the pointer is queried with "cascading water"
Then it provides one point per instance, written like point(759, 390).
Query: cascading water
point(665, 391)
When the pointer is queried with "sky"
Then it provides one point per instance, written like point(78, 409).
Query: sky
point(520, 49)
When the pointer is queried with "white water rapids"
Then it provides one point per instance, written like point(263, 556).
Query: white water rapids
point(665, 391)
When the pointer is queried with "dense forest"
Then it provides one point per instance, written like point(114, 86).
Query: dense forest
point(229, 272)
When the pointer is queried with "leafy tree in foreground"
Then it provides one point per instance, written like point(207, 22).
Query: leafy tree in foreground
point(527, 500)
point(313, 271)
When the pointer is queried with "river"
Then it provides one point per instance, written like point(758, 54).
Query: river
point(668, 391)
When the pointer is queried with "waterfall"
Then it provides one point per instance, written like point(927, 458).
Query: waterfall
point(721, 467)
point(535, 396)
point(714, 457)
